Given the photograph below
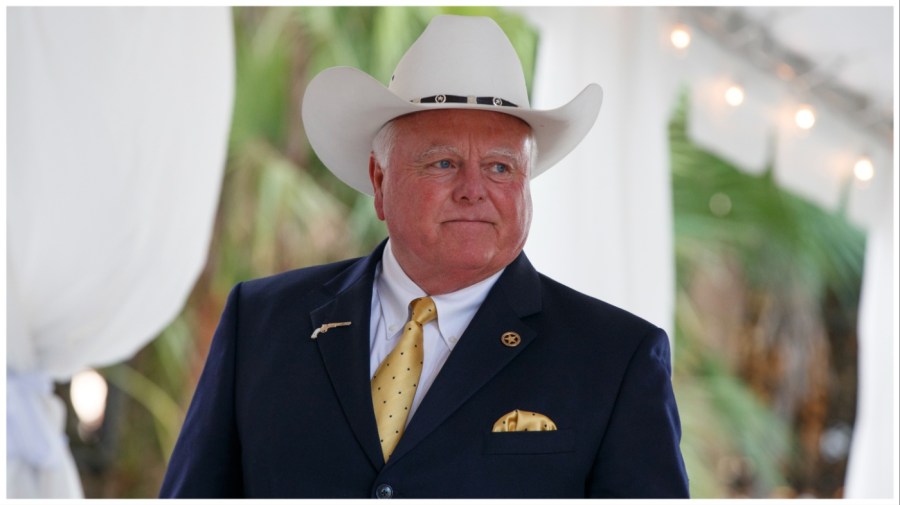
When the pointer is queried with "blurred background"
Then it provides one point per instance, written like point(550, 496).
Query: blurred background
point(737, 190)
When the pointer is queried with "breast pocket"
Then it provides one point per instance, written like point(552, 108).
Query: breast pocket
point(529, 442)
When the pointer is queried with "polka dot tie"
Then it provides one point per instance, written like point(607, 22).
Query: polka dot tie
point(394, 383)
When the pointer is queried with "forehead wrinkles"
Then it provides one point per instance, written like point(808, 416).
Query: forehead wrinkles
point(453, 132)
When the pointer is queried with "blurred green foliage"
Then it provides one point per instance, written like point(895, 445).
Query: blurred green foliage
point(752, 370)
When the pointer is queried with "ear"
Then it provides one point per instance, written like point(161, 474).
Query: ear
point(376, 175)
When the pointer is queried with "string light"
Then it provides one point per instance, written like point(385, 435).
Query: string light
point(863, 169)
point(734, 95)
point(805, 117)
point(88, 392)
point(680, 37)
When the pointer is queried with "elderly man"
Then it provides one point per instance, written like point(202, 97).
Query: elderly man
point(443, 364)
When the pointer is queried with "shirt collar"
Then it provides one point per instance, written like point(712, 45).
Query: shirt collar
point(395, 290)
point(455, 310)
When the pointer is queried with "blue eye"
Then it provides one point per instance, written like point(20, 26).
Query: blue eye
point(444, 164)
point(500, 168)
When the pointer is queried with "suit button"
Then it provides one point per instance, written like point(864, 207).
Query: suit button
point(384, 491)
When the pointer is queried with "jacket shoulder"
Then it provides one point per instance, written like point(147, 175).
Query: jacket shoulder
point(557, 297)
point(293, 284)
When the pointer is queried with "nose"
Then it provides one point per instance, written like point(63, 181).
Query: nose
point(470, 184)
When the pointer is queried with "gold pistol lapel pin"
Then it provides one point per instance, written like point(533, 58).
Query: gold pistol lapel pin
point(327, 326)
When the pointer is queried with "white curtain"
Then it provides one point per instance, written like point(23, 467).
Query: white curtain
point(117, 125)
point(871, 472)
point(603, 221)
point(603, 216)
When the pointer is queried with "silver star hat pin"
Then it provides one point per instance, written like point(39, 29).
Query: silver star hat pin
point(327, 326)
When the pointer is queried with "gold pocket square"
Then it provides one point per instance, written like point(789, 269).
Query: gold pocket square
point(522, 420)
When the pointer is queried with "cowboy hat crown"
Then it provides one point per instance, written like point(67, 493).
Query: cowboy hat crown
point(458, 62)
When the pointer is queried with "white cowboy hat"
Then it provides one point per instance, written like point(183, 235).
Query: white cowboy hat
point(459, 62)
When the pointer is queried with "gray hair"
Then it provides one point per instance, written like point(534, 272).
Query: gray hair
point(384, 140)
point(383, 143)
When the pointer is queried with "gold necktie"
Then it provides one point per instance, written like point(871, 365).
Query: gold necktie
point(394, 383)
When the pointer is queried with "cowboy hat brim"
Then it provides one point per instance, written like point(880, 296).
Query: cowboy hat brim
point(343, 109)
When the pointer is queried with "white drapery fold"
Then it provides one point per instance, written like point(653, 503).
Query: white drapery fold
point(603, 216)
point(117, 126)
point(603, 220)
point(870, 470)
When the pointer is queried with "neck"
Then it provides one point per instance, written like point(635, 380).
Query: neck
point(444, 283)
point(439, 280)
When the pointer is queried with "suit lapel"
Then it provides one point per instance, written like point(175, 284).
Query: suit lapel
point(479, 355)
point(345, 350)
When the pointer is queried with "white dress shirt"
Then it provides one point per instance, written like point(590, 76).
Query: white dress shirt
point(392, 292)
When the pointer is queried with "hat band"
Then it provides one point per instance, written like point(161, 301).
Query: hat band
point(474, 100)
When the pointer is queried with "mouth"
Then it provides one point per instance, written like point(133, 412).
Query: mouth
point(467, 221)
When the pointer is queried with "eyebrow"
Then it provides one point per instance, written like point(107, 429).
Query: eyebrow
point(503, 152)
point(438, 150)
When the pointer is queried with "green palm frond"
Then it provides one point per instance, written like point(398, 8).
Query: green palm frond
point(792, 255)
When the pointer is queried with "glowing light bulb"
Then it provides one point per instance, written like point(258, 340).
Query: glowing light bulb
point(88, 392)
point(805, 117)
point(680, 37)
point(863, 169)
point(734, 95)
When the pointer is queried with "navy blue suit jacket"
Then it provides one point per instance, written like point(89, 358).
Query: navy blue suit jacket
point(278, 414)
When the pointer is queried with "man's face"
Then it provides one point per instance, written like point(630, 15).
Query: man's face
point(455, 195)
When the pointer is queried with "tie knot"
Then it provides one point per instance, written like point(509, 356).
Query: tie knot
point(423, 310)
